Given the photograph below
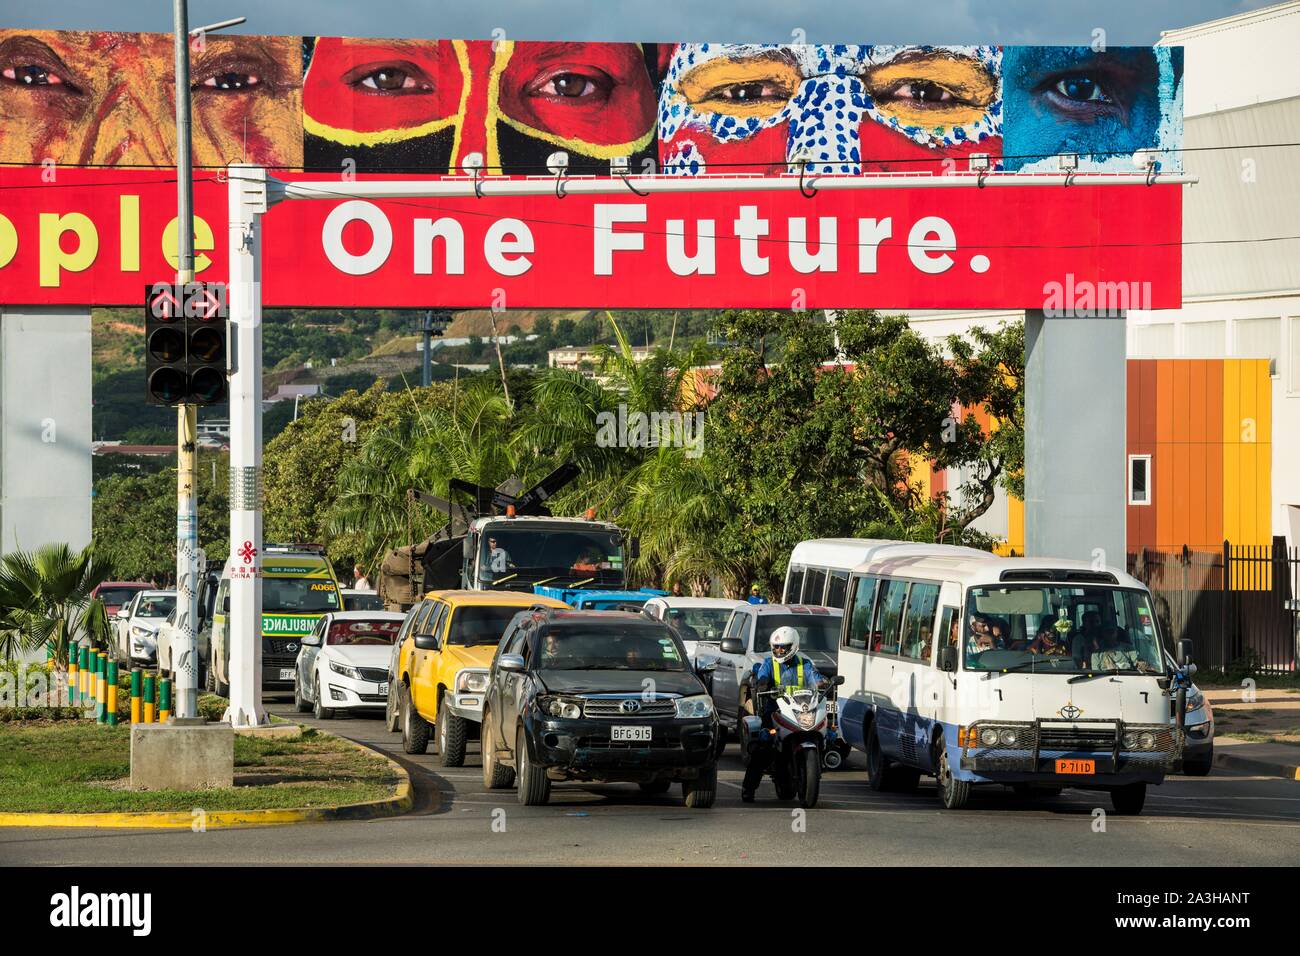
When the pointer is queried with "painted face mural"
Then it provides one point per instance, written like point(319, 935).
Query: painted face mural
point(1102, 106)
point(840, 109)
point(422, 104)
point(106, 98)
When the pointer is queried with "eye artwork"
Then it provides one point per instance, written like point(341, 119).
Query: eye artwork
point(416, 105)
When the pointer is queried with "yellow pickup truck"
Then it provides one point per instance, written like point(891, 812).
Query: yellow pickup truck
point(440, 666)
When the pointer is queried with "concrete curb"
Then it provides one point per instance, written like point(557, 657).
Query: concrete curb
point(1259, 768)
point(399, 802)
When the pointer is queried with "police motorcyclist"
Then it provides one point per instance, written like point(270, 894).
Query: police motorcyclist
point(784, 668)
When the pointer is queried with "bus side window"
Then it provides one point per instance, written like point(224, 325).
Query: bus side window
point(918, 637)
point(889, 616)
point(950, 626)
point(835, 588)
point(793, 585)
point(859, 615)
point(814, 584)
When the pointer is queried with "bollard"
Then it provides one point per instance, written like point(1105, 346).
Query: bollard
point(164, 698)
point(84, 672)
point(101, 696)
point(111, 703)
point(136, 702)
point(74, 675)
point(148, 697)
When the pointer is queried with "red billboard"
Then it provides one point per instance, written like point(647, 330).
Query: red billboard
point(93, 236)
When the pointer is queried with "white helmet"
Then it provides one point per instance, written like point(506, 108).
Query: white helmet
point(785, 643)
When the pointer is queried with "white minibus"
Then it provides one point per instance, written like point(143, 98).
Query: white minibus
point(818, 572)
point(1033, 673)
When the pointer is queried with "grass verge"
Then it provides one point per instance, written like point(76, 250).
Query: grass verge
point(74, 767)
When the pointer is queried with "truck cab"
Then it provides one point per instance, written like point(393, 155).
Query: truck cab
point(521, 552)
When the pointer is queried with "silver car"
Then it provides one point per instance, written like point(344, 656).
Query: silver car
point(745, 643)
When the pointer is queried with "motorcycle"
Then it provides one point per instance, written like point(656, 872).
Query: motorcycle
point(797, 737)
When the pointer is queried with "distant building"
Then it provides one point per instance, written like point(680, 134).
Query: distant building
point(583, 358)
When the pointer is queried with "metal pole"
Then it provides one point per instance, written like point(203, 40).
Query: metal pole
point(187, 513)
point(426, 365)
point(247, 202)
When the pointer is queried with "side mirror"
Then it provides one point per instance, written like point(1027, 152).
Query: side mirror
point(511, 663)
point(947, 658)
point(225, 604)
point(121, 614)
point(466, 548)
point(426, 642)
point(1184, 654)
point(731, 645)
point(311, 640)
point(839, 680)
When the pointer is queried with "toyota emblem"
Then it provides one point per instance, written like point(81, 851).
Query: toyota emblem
point(1070, 712)
point(629, 707)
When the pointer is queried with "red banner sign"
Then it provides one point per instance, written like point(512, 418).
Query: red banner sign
point(94, 237)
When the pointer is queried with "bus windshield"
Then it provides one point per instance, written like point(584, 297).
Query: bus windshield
point(1077, 630)
point(521, 555)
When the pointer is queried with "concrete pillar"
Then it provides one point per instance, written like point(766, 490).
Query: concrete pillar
point(45, 473)
point(1075, 420)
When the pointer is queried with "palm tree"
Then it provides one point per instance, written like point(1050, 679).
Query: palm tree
point(45, 598)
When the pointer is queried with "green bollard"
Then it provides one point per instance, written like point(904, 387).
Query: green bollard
point(136, 702)
point(83, 674)
point(110, 705)
point(148, 697)
point(102, 694)
point(164, 698)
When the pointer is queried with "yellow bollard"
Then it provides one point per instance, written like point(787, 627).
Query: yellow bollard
point(148, 697)
point(136, 709)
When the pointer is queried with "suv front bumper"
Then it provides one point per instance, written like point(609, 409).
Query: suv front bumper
point(582, 749)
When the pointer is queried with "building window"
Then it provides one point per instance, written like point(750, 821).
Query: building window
point(1139, 479)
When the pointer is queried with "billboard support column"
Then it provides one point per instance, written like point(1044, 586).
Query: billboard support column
point(1075, 390)
point(248, 202)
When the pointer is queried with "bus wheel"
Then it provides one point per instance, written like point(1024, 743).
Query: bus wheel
point(1128, 800)
point(953, 793)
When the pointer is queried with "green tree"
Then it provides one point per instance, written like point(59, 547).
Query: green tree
point(45, 597)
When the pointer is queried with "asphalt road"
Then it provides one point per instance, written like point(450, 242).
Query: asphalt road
point(1225, 819)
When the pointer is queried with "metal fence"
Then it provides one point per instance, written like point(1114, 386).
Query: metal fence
point(1238, 606)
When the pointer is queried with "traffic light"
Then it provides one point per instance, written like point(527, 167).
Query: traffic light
point(185, 343)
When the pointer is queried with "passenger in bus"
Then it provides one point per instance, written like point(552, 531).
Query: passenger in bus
point(1115, 652)
point(1048, 642)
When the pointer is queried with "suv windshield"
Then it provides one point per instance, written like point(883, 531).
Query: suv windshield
point(817, 632)
point(699, 623)
point(1061, 629)
point(159, 606)
point(476, 626)
point(523, 554)
point(311, 595)
point(629, 648)
point(117, 596)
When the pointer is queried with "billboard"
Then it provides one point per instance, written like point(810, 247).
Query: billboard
point(320, 107)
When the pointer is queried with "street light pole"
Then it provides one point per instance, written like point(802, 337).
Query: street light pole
point(187, 516)
point(185, 658)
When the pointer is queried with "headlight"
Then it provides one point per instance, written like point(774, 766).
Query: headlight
point(474, 682)
point(1146, 741)
point(1195, 700)
point(559, 707)
point(138, 631)
point(806, 719)
point(989, 737)
point(1130, 741)
point(701, 705)
point(345, 670)
point(1008, 738)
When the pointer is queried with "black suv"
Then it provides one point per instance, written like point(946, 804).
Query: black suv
point(597, 695)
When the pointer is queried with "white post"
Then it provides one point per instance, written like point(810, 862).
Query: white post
point(248, 202)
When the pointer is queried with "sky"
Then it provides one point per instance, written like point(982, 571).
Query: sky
point(1007, 22)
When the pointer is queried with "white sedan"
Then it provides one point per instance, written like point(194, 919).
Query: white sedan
point(697, 620)
point(137, 626)
point(343, 663)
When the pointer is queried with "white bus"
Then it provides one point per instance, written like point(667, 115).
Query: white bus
point(1038, 674)
point(818, 572)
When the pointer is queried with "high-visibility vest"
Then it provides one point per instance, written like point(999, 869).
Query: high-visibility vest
point(776, 673)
